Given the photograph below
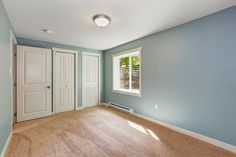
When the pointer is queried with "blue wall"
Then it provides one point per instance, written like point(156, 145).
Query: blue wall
point(5, 90)
point(190, 71)
point(37, 43)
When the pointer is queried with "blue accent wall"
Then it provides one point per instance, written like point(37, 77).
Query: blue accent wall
point(43, 44)
point(190, 72)
point(5, 90)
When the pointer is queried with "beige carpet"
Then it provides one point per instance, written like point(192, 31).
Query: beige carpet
point(103, 132)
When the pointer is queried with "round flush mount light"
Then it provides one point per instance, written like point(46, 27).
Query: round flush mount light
point(101, 20)
point(47, 31)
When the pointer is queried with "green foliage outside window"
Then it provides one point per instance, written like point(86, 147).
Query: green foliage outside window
point(135, 62)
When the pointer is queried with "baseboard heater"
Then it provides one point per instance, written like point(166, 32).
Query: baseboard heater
point(120, 107)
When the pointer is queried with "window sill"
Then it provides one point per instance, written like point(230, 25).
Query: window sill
point(126, 92)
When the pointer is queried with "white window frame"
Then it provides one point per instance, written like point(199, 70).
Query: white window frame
point(116, 72)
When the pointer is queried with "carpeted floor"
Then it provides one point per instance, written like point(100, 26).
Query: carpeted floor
point(103, 132)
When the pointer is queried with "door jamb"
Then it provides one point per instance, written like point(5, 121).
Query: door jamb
point(54, 49)
point(12, 41)
point(99, 75)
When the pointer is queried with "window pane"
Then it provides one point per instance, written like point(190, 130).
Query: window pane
point(135, 72)
point(124, 73)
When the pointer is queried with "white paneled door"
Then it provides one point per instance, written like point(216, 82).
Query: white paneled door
point(90, 80)
point(34, 77)
point(64, 81)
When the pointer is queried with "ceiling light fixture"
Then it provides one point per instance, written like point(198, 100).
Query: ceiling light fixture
point(47, 31)
point(101, 20)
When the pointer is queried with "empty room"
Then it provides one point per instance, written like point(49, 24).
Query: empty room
point(117, 78)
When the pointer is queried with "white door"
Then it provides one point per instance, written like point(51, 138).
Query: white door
point(34, 76)
point(90, 80)
point(64, 81)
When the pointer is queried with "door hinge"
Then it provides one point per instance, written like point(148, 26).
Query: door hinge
point(14, 54)
point(15, 84)
point(15, 114)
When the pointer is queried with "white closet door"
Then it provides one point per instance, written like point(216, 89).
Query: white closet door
point(90, 80)
point(33, 83)
point(64, 81)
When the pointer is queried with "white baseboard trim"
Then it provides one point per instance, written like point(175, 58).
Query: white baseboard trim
point(4, 151)
point(189, 133)
point(192, 134)
point(103, 104)
point(79, 108)
point(83, 107)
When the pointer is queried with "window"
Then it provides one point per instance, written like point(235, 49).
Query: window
point(127, 72)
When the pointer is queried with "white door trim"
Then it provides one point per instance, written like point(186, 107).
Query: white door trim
point(12, 41)
point(99, 75)
point(54, 50)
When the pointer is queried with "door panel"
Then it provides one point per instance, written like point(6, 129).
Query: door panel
point(35, 61)
point(38, 99)
point(94, 80)
point(33, 83)
point(91, 80)
point(64, 82)
point(86, 78)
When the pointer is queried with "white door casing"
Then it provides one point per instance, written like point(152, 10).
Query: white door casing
point(65, 76)
point(90, 79)
point(64, 82)
point(34, 76)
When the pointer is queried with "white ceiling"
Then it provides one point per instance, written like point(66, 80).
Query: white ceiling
point(71, 20)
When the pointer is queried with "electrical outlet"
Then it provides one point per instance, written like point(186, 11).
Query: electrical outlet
point(156, 107)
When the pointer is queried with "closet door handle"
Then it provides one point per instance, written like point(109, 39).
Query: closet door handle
point(48, 87)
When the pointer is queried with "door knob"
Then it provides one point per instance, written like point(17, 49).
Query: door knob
point(48, 87)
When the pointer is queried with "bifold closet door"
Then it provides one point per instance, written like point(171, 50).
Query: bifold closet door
point(34, 75)
point(64, 81)
point(90, 80)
